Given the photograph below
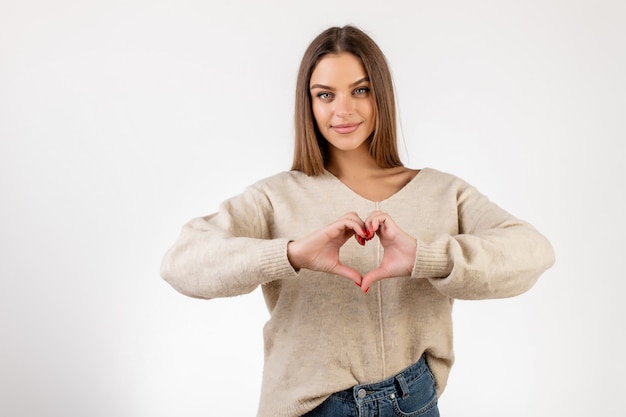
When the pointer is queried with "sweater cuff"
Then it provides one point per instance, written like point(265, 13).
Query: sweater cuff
point(273, 260)
point(432, 260)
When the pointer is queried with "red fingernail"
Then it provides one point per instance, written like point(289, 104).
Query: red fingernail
point(358, 284)
point(367, 290)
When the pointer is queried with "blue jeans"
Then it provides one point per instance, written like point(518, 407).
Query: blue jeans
point(411, 393)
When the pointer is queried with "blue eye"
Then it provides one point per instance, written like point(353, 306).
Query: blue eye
point(324, 96)
point(361, 90)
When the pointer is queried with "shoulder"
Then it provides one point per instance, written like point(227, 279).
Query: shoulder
point(287, 181)
point(440, 178)
point(283, 177)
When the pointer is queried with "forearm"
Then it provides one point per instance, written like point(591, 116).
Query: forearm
point(229, 252)
point(496, 263)
point(207, 264)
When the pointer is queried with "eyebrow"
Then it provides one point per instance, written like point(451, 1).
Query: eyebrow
point(354, 84)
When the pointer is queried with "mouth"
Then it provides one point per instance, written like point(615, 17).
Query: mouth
point(345, 128)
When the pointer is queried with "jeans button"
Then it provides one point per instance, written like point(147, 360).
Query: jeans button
point(361, 393)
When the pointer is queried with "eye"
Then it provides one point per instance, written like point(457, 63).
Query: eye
point(361, 91)
point(324, 96)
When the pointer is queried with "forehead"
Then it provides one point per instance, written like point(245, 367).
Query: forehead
point(339, 69)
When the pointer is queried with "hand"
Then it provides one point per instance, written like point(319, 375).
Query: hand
point(399, 249)
point(319, 251)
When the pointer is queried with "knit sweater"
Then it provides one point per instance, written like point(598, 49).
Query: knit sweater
point(324, 335)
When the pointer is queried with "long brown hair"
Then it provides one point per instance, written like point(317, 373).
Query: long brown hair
point(311, 148)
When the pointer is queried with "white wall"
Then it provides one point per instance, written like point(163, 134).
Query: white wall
point(121, 120)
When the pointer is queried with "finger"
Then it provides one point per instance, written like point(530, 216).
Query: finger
point(349, 273)
point(372, 277)
point(360, 234)
point(375, 220)
point(353, 216)
point(353, 221)
point(344, 229)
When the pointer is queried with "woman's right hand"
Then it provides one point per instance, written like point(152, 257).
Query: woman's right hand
point(319, 251)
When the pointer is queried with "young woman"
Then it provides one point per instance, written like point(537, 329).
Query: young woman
point(359, 326)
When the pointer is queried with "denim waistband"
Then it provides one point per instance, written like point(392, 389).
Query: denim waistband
point(396, 384)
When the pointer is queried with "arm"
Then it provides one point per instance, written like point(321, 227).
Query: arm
point(495, 255)
point(227, 253)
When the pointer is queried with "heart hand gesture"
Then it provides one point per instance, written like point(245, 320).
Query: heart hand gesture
point(319, 251)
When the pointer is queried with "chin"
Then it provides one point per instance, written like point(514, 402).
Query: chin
point(347, 145)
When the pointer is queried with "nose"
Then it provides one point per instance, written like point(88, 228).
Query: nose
point(344, 106)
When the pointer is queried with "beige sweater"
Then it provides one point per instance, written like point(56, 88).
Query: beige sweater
point(324, 334)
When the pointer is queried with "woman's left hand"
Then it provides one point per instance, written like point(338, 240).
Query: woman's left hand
point(399, 249)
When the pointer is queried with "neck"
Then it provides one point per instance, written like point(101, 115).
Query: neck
point(356, 163)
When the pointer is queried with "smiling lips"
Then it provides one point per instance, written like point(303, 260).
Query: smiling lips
point(346, 128)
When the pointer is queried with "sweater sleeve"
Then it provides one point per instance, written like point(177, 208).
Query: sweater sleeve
point(495, 255)
point(229, 252)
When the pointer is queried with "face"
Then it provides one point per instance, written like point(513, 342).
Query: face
point(342, 101)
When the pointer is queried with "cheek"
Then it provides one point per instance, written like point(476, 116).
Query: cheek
point(371, 113)
point(370, 108)
point(318, 115)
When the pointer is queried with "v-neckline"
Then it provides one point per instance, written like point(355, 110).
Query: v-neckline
point(390, 197)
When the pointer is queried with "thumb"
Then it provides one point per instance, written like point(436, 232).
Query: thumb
point(347, 272)
point(372, 276)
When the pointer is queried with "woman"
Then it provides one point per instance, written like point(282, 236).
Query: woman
point(422, 239)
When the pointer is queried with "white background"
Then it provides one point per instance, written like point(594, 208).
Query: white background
point(121, 120)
